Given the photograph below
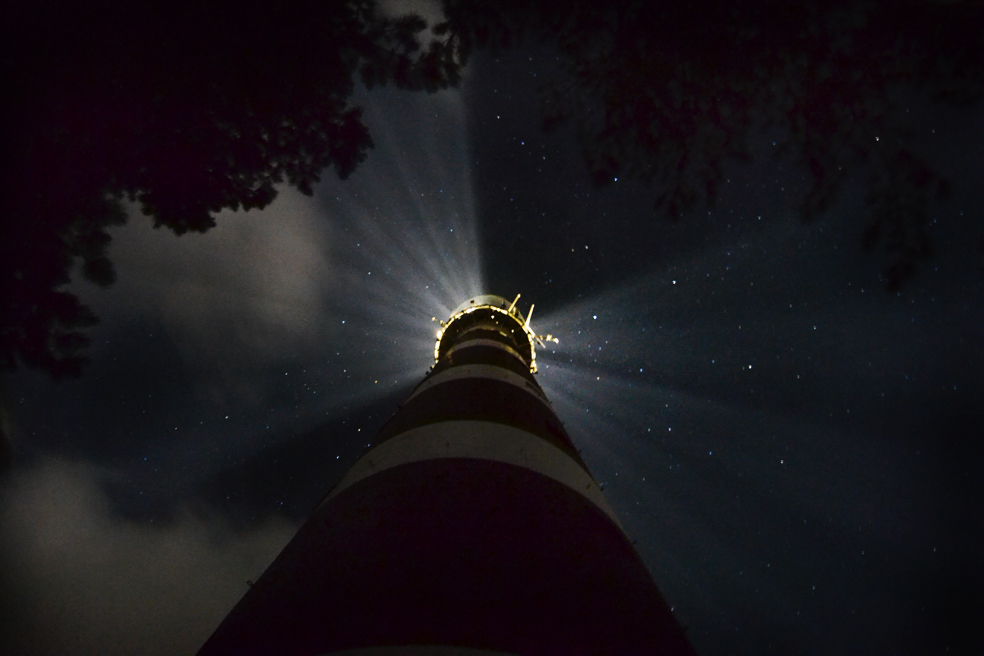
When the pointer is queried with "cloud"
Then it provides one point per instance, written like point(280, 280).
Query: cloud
point(429, 10)
point(263, 272)
point(77, 580)
point(248, 294)
point(338, 278)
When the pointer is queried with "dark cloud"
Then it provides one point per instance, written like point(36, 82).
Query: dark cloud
point(249, 292)
point(79, 580)
point(265, 288)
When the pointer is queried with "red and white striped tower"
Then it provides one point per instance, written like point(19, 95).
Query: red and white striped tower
point(472, 527)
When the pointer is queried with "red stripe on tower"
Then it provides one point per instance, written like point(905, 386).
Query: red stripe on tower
point(472, 527)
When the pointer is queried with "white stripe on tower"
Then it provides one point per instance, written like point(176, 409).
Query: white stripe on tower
point(481, 440)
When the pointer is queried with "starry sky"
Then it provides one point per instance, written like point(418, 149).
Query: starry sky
point(793, 448)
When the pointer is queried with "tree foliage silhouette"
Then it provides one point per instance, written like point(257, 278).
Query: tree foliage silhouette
point(187, 108)
point(191, 108)
point(666, 92)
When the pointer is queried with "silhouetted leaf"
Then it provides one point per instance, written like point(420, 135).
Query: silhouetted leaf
point(187, 108)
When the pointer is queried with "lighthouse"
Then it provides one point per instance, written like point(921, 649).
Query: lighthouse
point(471, 527)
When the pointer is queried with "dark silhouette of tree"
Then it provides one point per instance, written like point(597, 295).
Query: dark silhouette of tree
point(191, 108)
point(188, 108)
point(666, 92)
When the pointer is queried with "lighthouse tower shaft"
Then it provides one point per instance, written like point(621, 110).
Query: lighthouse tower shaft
point(471, 527)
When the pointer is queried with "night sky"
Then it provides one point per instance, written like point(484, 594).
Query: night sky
point(794, 448)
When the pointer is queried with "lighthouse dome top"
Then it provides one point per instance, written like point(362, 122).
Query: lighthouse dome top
point(489, 310)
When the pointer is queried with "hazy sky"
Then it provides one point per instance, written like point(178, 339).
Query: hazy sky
point(793, 448)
